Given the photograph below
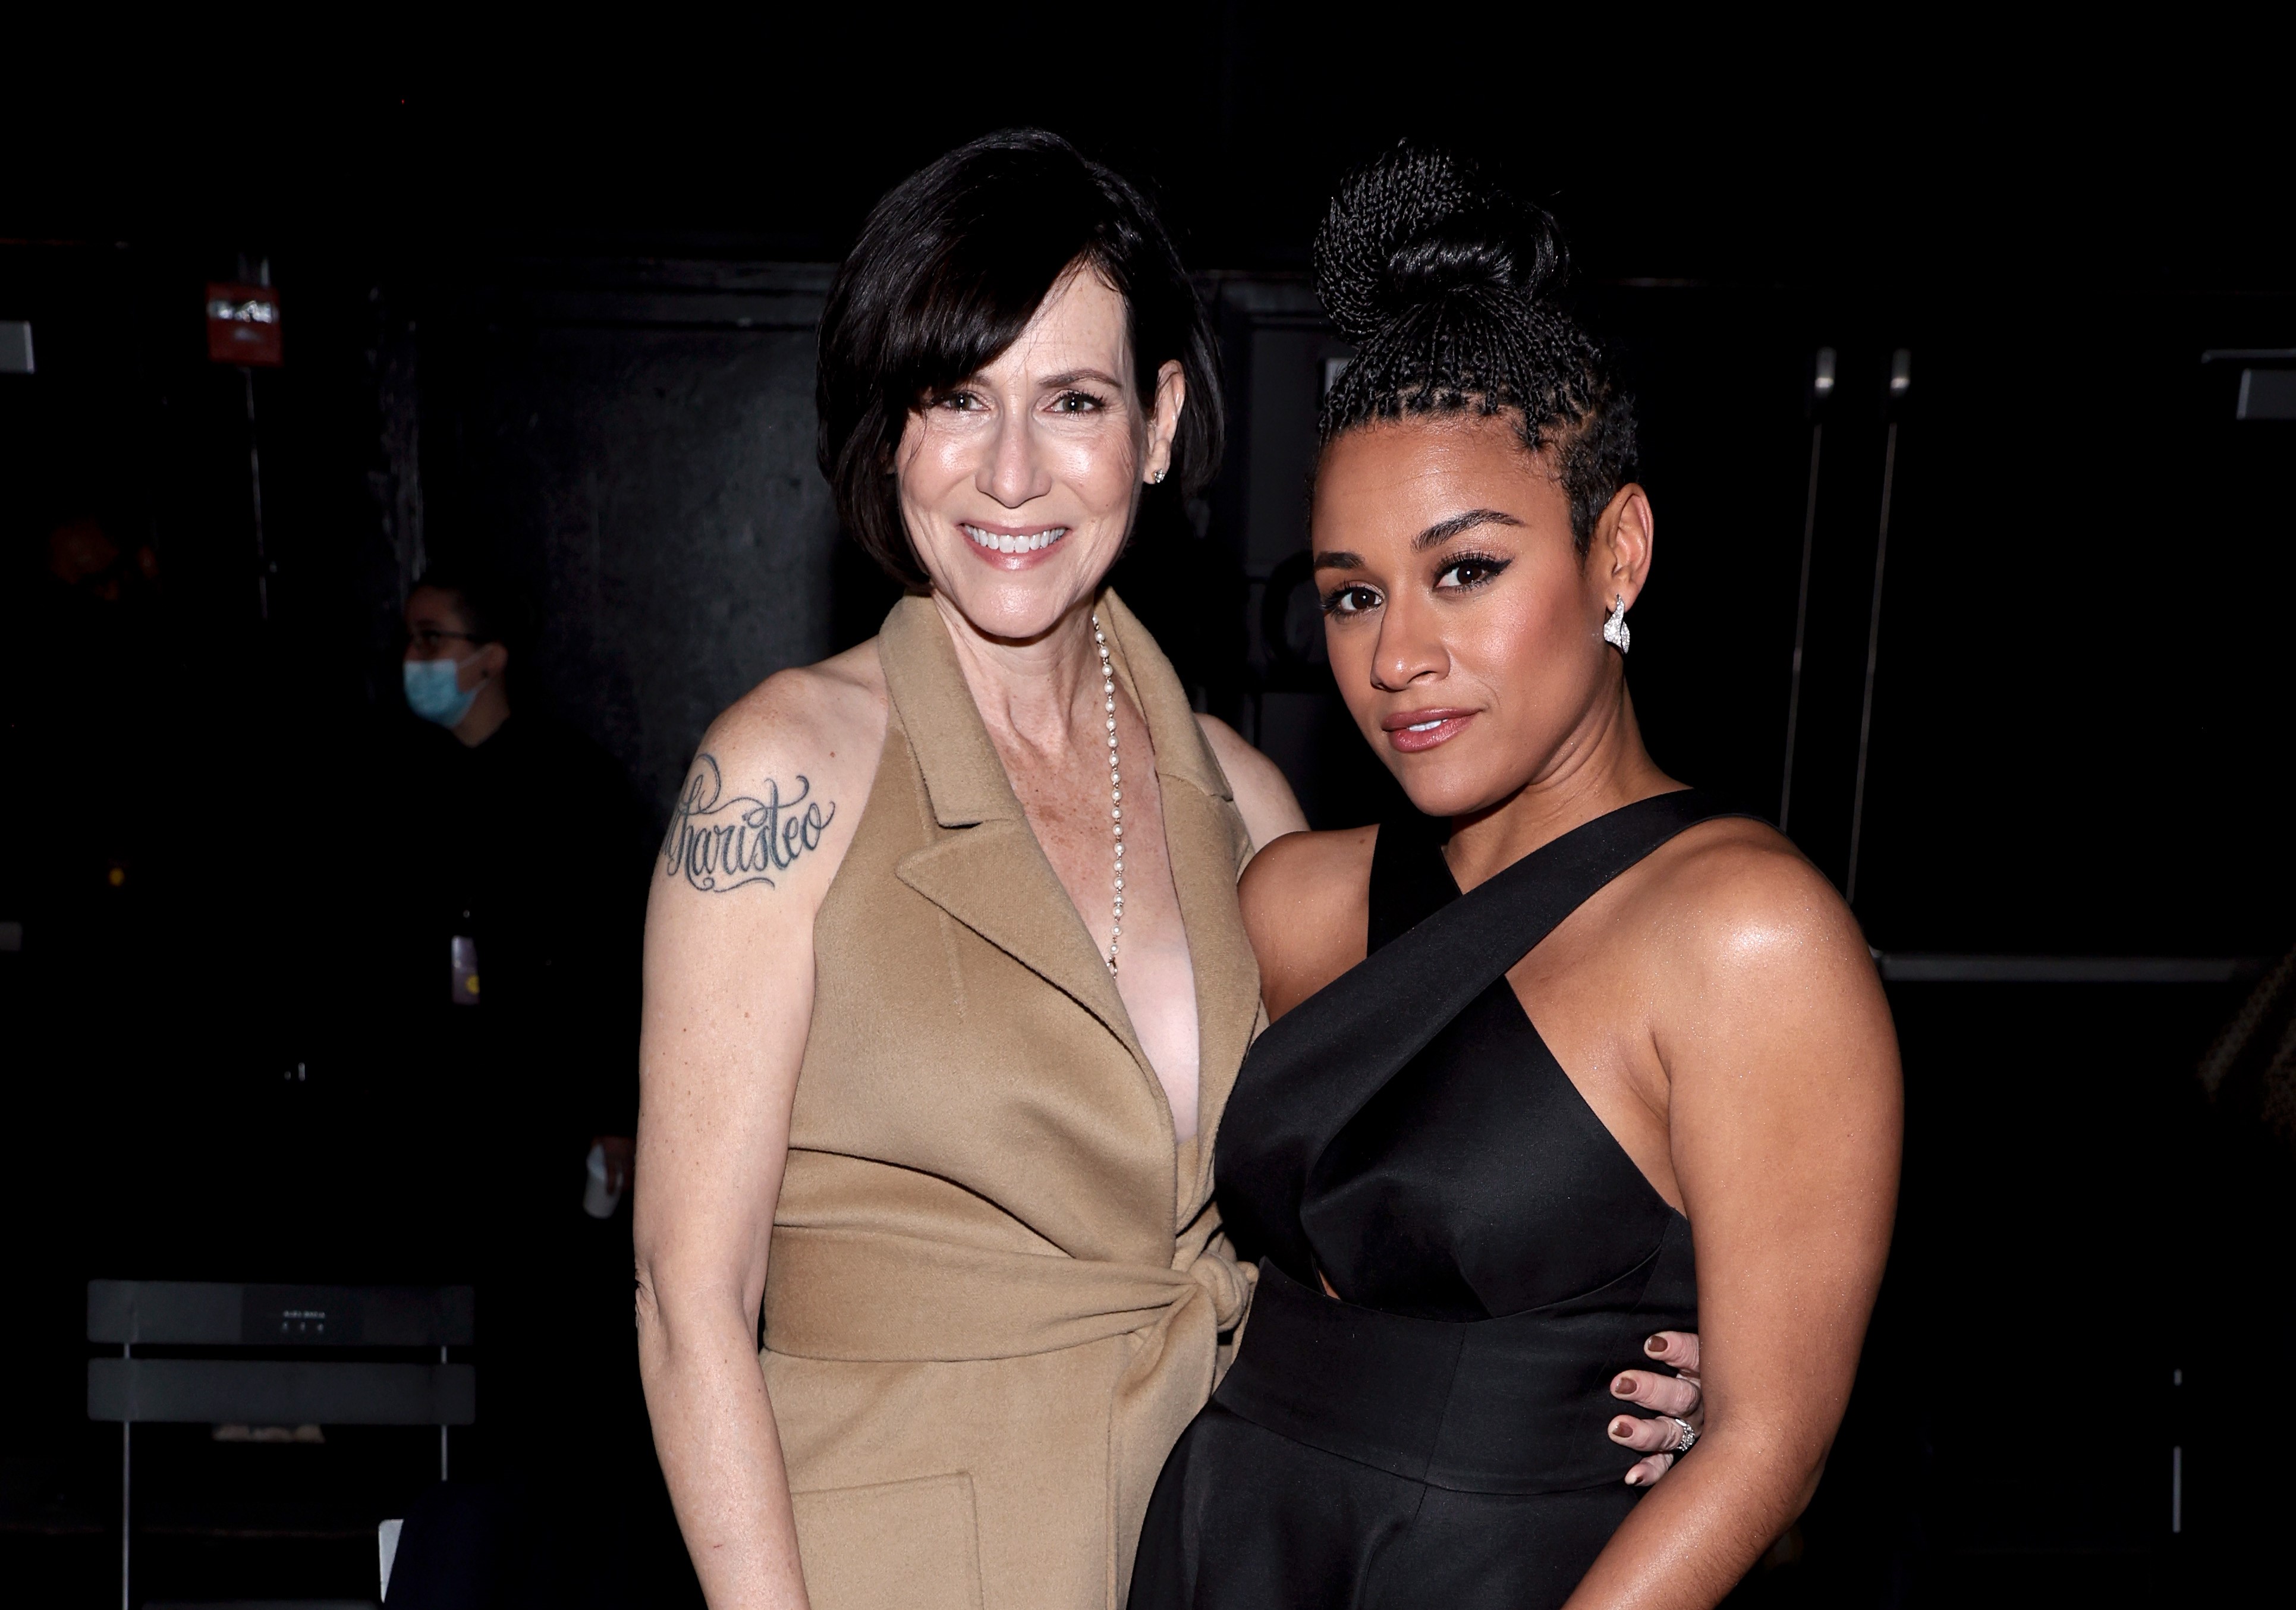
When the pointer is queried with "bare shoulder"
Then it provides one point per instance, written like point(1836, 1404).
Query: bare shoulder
point(830, 709)
point(1784, 1100)
point(1303, 866)
point(779, 779)
point(1751, 929)
point(1263, 796)
point(824, 721)
point(1738, 888)
point(1306, 907)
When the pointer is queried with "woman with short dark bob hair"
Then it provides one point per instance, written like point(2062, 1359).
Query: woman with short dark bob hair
point(946, 981)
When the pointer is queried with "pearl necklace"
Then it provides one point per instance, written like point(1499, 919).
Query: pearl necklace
point(1115, 787)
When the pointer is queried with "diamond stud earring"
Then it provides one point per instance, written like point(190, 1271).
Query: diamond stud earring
point(1616, 632)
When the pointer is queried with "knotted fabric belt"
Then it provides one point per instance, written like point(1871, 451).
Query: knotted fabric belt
point(869, 1297)
point(864, 1296)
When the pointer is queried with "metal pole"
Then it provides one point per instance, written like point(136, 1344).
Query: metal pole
point(1802, 623)
point(255, 491)
point(1872, 660)
point(2177, 1463)
point(126, 1443)
point(1901, 375)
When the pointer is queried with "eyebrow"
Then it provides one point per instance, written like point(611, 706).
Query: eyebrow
point(1443, 530)
point(1434, 536)
point(1054, 382)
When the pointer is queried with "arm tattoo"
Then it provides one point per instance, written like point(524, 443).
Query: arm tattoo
point(717, 844)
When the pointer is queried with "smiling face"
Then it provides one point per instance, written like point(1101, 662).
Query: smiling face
point(1465, 629)
point(1018, 484)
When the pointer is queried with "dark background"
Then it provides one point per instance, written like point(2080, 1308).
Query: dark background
point(560, 317)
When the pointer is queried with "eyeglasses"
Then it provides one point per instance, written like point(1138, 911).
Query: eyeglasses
point(431, 640)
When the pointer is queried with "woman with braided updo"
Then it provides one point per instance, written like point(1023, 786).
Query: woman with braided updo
point(1535, 1044)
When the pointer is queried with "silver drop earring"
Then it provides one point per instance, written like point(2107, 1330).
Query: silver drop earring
point(1616, 632)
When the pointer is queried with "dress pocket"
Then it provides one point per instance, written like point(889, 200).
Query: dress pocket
point(908, 1545)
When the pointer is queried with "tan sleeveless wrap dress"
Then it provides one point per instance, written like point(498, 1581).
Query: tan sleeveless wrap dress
point(996, 1286)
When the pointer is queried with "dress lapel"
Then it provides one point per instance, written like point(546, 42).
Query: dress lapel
point(986, 868)
point(988, 872)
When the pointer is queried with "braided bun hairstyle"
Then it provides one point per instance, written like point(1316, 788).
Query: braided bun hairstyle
point(1447, 285)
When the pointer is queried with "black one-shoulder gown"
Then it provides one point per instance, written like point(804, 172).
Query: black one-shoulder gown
point(1436, 1437)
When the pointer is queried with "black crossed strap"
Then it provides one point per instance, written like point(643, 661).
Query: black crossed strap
point(1315, 1067)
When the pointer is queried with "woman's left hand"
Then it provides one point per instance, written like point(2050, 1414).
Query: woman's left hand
point(1675, 1395)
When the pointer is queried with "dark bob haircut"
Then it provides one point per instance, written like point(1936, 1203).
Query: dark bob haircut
point(950, 269)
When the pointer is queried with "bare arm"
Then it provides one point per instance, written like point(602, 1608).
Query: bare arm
point(1262, 797)
point(1306, 907)
point(728, 1002)
point(1784, 1118)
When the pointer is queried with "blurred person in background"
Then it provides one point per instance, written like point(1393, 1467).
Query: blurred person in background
point(517, 861)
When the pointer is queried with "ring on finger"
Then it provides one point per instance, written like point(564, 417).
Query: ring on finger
point(1689, 1438)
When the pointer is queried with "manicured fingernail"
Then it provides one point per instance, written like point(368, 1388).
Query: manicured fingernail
point(1621, 1428)
point(1655, 1347)
point(1635, 1476)
point(1623, 1386)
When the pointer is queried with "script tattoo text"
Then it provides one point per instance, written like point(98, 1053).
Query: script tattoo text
point(717, 844)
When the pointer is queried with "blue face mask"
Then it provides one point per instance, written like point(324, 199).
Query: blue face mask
point(433, 693)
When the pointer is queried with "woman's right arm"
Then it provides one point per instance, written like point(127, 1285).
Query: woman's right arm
point(759, 827)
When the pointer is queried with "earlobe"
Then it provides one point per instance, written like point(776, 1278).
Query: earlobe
point(1171, 399)
point(1626, 529)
